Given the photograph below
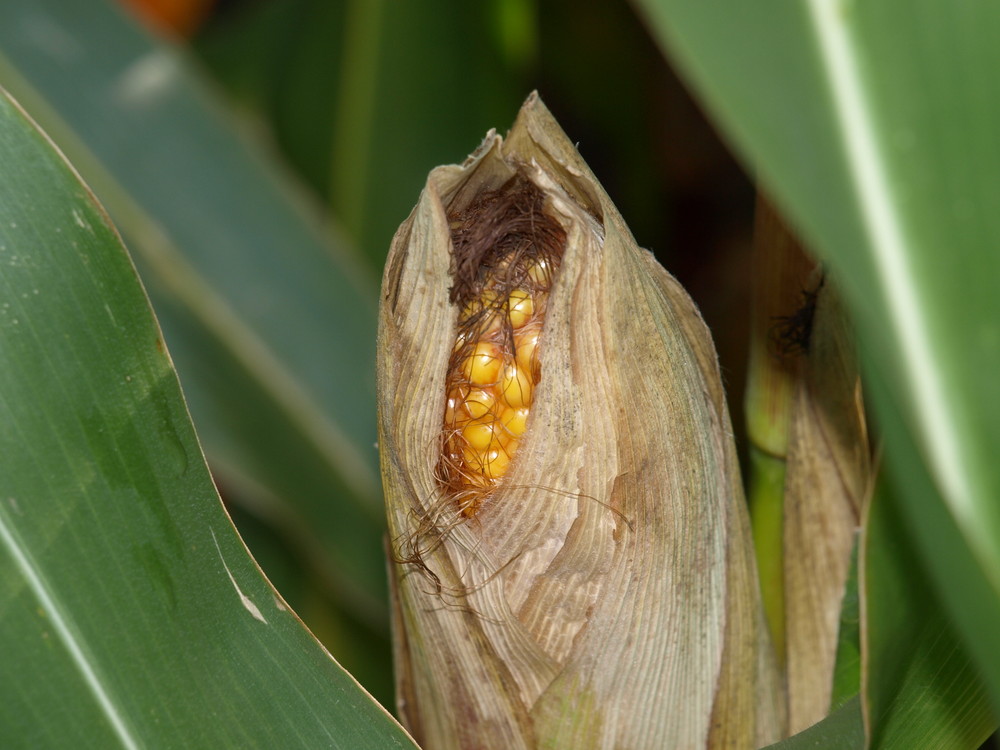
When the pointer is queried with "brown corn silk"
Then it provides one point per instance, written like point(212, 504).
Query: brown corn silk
point(603, 592)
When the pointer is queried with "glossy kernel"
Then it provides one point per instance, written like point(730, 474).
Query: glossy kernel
point(480, 434)
point(455, 399)
point(486, 309)
point(516, 385)
point(492, 463)
point(520, 307)
point(479, 402)
point(496, 463)
point(482, 366)
point(476, 306)
point(526, 347)
point(515, 421)
point(540, 271)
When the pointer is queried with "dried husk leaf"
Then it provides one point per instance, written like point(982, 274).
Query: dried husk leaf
point(828, 479)
point(605, 595)
point(781, 271)
point(805, 415)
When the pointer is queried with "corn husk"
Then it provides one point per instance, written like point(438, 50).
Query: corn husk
point(806, 424)
point(827, 482)
point(605, 596)
point(781, 271)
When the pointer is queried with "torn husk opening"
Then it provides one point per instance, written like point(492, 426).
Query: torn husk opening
point(506, 251)
point(598, 589)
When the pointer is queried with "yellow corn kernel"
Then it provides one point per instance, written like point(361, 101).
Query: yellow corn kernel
point(486, 306)
point(515, 385)
point(492, 464)
point(526, 348)
point(480, 434)
point(482, 366)
point(514, 422)
point(496, 463)
point(474, 460)
point(540, 272)
point(456, 398)
point(511, 448)
point(520, 307)
point(475, 306)
point(479, 402)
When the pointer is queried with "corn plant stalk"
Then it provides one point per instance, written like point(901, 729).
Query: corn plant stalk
point(605, 594)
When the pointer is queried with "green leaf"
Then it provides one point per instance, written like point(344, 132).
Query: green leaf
point(843, 729)
point(847, 671)
point(921, 689)
point(874, 124)
point(268, 317)
point(132, 614)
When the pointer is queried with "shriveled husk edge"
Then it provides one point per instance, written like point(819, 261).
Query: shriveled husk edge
point(606, 595)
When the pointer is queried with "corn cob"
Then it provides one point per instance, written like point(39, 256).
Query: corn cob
point(506, 250)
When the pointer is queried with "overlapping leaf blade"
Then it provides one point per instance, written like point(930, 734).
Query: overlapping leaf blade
point(921, 688)
point(132, 614)
point(874, 125)
point(269, 319)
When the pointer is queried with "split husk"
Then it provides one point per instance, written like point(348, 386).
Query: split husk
point(604, 595)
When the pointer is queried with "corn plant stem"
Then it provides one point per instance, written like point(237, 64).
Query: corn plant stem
point(765, 494)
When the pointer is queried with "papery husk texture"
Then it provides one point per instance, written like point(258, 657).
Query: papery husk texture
point(827, 484)
point(605, 595)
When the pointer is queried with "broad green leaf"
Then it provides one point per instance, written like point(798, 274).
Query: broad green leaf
point(921, 689)
point(283, 61)
point(270, 322)
point(132, 615)
point(874, 125)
